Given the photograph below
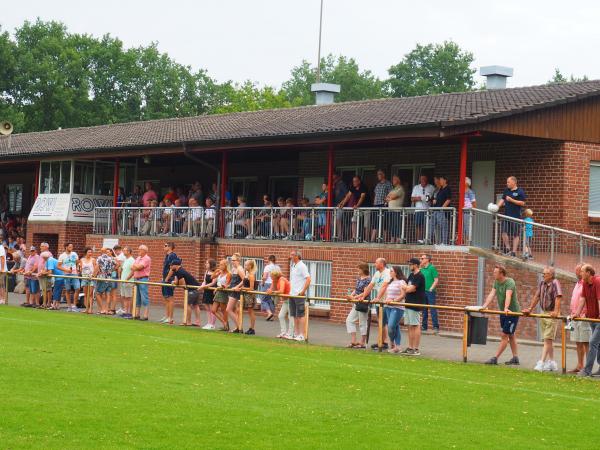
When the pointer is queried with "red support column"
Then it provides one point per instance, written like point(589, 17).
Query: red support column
point(224, 182)
point(330, 163)
point(461, 187)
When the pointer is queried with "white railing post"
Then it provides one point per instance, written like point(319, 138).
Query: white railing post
point(312, 224)
point(580, 249)
point(139, 221)
point(380, 225)
point(427, 227)
point(453, 239)
point(552, 247)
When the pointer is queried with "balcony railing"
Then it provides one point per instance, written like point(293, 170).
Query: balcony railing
point(192, 222)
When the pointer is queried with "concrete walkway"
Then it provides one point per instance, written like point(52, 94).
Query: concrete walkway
point(444, 346)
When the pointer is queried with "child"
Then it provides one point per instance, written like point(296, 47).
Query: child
point(528, 233)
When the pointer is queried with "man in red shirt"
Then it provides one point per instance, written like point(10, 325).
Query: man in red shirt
point(589, 298)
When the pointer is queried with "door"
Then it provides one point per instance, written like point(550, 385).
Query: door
point(483, 184)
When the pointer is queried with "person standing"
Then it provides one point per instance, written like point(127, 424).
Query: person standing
point(45, 282)
point(51, 268)
point(105, 265)
point(168, 291)
point(549, 296)
point(590, 296)
point(67, 263)
point(280, 286)
point(395, 292)
point(119, 259)
point(415, 294)
point(249, 283)
point(221, 297)
point(210, 280)
point(395, 201)
point(88, 268)
point(266, 302)
point(3, 270)
point(179, 276)
point(421, 196)
point(581, 331)
point(299, 283)
point(432, 279)
point(126, 289)
point(149, 195)
point(380, 278)
point(380, 194)
point(469, 203)
point(505, 291)
point(513, 200)
point(359, 311)
point(357, 197)
point(237, 281)
point(31, 281)
point(141, 272)
point(440, 218)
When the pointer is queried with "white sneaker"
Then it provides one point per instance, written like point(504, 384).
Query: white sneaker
point(540, 366)
point(282, 336)
point(552, 366)
point(164, 320)
point(299, 338)
point(120, 311)
point(208, 326)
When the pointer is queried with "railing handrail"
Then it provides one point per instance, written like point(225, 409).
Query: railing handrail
point(539, 225)
point(233, 208)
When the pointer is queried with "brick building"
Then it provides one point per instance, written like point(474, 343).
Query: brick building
point(547, 136)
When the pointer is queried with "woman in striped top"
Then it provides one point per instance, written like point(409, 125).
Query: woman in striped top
point(394, 292)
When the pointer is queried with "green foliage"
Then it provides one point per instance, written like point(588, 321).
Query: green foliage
point(248, 97)
point(560, 78)
point(432, 69)
point(355, 84)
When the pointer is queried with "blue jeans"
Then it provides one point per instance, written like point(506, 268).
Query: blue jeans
point(394, 315)
point(434, 315)
point(266, 301)
point(142, 293)
point(594, 351)
point(59, 284)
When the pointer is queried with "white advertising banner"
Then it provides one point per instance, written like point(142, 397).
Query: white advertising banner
point(67, 207)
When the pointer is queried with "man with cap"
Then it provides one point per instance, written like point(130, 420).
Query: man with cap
point(179, 276)
point(32, 287)
point(51, 268)
point(415, 293)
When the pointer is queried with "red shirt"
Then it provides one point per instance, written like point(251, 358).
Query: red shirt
point(591, 293)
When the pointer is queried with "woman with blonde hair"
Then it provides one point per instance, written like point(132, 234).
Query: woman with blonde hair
point(279, 286)
point(237, 281)
point(221, 297)
point(250, 284)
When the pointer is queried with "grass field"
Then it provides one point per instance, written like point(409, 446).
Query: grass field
point(71, 381)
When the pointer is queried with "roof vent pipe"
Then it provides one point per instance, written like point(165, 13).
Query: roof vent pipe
point(324, 92)
point(496, 76)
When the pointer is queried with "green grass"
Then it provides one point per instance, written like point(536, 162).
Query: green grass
point(72, 381)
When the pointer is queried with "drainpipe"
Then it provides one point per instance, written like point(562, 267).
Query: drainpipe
point(194, 158)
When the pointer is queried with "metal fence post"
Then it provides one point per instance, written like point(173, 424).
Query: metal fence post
point(312, 224)
point(252, 222)
point(465, 341)
point(470, 228)
point(95, 224)
point(139, 221)
point(403, 225)
point(380, 225)
point(334, 213)
point(580, 248)
point(292, 223)
point(358, 227)
point(552, 248)
point(453, 239)
point(496, 242)
point(271, 225)
point(172, 221)
point(427, 227)
point(524, 246)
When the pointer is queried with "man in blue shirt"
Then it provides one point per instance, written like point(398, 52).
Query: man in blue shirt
point(513, 200)
point(51, 268)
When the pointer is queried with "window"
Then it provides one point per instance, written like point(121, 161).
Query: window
point(367, 174)
point(320, 284)
point(104, 178)
point(260, 265)
point(83, 179)
point(55, 177)
point(594, 194)
point(15, 198)
point(244, 186)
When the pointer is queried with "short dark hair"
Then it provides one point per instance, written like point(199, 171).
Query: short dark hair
point(272, 258)
point(68, 243)
point(501, 269)
point(86, 249)
point(117, 247)
point(212, 264)
point(589, 269)
point(171, 245)
point(364, 268)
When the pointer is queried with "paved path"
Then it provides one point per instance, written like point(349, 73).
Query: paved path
point(445, 346)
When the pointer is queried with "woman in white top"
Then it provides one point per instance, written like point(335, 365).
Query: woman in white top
point(88, 267)
point(221, 298)
point(395, 292)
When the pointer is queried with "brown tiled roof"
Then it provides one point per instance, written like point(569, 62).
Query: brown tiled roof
point(445, 110)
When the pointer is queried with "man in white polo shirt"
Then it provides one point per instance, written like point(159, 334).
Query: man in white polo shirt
point(299, 281)
point(421, 197)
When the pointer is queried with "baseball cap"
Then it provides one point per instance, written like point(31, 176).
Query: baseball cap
point(32, 248)
point(414, 261)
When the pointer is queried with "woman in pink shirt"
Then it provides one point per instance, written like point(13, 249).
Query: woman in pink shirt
point(141, 272)
point(149, 195)
point(581, 330)
point(32, 287)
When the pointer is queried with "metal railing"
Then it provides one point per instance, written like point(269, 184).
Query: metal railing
point(530, 240)
point(159, 221)
point(378, 225)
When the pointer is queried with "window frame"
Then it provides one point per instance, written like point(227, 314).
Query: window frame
point(595, 213)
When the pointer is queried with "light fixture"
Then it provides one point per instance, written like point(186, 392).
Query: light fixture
point(147, 160)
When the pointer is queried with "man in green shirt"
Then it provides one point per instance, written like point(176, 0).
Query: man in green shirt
point(505, 291)
point(431, 281)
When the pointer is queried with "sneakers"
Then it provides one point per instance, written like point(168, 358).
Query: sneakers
point(436, 331)
point(376, 347)
point(492, 361)
point(596, 374)
point(540, 366)
point(208, 326)
point(164, 320)
point(299, 338)
point(514, 361)
point(551, 366)
point(282, 336)
point(583, 374)
point(406, 351)
point(413, 352)
point(250, 331)
point(120, 311)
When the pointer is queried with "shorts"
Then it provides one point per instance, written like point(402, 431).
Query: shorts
point(59, 284)
point(142, 297)
point(221, 297)
point(582, 332)
point(508, 324)
point(233, 294)
point(419, 220)
point(249, 300)
point(104, 287)
point(193, 297)
point(512, 229)
point(208, 297)
point(297, 307)
point(126, 290)
point(72, 283)
point(32, 285)
point(44, 285)
point(114, 286)
point(167, 291)
point(548, 327)
point(412, 317)
point(85, 283)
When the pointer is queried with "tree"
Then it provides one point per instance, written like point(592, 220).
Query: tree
point(432, 69)
point(560, 78)
point(248, 97)
point(355, 84)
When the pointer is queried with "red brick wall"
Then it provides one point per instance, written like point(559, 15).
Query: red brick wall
point(57, 234)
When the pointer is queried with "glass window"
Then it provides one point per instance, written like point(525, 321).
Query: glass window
point(104, 178)
point(15, 198)
point(55, 177)
point(83, 178)
point(65, 177)
point(320, 284)
point(594, 194)
point(45, 178)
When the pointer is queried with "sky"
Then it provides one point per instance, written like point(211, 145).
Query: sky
point(261, 40)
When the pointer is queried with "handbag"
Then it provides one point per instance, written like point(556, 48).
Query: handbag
point(362, 306)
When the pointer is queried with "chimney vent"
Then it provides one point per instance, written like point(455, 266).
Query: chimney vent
point(496, 76)
point(324, 92)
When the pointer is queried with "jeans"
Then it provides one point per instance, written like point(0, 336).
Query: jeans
point(434, 314)
point(266, 301)
point(439, 224)
point(59, 284)
point(142, 293)
point(593, 353)
point(394, 316)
